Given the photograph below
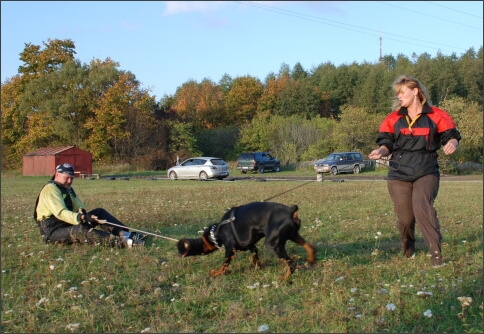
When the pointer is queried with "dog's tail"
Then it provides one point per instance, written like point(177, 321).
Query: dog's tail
point(295, 214)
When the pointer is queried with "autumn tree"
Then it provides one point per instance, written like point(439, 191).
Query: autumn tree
point(123, 116)
point(29, 118)
point(210, 110)
point(242, 99)
point(14, 122)
point(273, 87)
point(42, 61)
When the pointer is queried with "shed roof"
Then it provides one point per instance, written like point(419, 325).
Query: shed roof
point(49, 150)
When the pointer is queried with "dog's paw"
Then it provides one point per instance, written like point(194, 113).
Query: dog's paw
point(217, 272)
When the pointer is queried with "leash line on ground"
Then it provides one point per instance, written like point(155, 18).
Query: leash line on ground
point(136, 230)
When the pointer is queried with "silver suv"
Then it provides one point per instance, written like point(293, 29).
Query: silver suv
point(340, 162)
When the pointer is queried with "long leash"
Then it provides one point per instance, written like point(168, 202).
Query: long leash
point(299, 186)
point(136, 230)
point(102, 221)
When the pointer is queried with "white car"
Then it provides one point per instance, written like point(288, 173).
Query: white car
point(199, 168)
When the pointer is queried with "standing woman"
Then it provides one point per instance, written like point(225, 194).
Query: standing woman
point(412, 134)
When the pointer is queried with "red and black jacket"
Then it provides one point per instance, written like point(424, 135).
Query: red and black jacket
point(414, 148)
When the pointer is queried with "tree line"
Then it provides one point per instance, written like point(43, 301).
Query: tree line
point(296, 114)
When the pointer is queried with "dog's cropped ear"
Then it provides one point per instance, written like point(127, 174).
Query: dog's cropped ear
point(193, 247)
point(190, 247)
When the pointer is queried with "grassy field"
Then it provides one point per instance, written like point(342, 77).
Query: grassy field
point(360, 282)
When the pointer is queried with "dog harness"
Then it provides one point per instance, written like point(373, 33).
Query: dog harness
point(213, 238)
point(215, 227)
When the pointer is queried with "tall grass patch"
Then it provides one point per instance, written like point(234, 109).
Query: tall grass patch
point(360, 283)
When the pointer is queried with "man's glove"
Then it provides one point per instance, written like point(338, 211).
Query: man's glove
point(90, 220)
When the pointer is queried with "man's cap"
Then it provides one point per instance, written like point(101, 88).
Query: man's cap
point(65, 169)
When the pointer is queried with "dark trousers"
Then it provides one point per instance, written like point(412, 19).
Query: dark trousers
point(54, 230)
point(414, 202)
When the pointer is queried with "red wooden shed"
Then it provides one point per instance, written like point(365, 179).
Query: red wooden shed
point(44, 160)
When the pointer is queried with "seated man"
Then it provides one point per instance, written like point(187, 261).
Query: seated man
point(62, 218)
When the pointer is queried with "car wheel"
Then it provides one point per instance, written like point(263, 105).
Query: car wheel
point(243, 171)
point(203, 176)
point(356, 169)
point(172, 175)
point(261, 169)
point(277, 169)
point(334, 170)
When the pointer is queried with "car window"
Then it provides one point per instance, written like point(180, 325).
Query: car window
point(199, 162)
point(218, 162)
point(188, 162)
point(246, 156)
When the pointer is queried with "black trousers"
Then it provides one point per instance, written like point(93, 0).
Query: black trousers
point(414, 202)
point(54, 230)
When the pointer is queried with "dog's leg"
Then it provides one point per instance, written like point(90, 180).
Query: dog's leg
point(229, 255)
point(278, 246)
point(255, 257)
point(290, 267)
point(310, 250)
point(285, 259)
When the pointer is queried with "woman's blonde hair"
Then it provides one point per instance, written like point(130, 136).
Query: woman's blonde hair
point(407, 81)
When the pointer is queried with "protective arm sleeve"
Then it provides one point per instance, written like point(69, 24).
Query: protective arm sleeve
point(450, 134)
point(386, 139)
point(51, 203)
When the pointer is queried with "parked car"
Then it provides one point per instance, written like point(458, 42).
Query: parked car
point(340, 162)
point(257, 162)
point(201, 168)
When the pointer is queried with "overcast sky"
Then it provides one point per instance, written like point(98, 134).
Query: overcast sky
point(166, 43)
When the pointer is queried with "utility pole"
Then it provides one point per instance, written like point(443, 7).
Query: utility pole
point(381, 39)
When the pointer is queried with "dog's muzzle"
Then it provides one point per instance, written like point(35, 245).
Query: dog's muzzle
point(190, 247)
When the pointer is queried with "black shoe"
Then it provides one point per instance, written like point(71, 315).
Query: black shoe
point(408, 250)
point(437, 261)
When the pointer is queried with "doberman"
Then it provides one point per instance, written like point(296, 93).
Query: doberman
point(243, 226)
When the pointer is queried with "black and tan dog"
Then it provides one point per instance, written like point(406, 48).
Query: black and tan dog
point(243, 226)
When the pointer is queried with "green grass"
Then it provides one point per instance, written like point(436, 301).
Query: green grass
point(359, 269)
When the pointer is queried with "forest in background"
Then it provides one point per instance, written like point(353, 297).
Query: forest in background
point(296, 114)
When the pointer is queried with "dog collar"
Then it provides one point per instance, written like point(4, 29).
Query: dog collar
point(212, 236)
